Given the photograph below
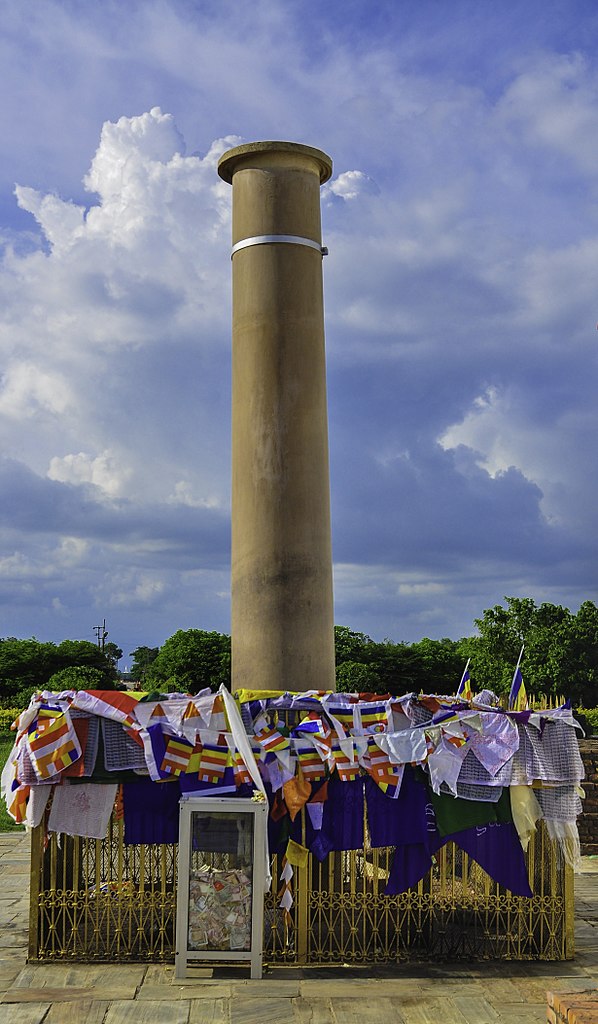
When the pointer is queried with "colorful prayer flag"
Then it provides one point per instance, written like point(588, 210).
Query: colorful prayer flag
point(312, 766)
point(343, 714)
point(240, 769)
point(17, 808)
point(347, 769)
point(271, 741)
point(374, 716)
point(464, 690)
point(114, 704)
point(53, 743)
point(378, 764)
point(393, 788)
point(517, 695)
point(176, 755)
point(213, 762)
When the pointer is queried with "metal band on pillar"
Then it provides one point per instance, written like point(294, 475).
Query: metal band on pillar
point(271, 239)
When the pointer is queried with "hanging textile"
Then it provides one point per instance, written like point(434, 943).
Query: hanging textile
point(151, 812)
point(82, 810)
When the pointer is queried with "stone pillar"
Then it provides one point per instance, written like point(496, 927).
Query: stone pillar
point(282, 616)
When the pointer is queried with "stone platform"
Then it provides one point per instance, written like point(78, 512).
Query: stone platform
point(513, 993)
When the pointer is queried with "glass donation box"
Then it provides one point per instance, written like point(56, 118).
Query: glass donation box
point(221, 882)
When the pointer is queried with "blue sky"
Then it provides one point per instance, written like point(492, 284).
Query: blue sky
point(460, 291)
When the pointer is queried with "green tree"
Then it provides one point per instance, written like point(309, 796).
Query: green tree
point(80, 677)
point(561, 649)
point(354, 677)
point(440, 665)
point(351, 646)
point(396, 665)
point(25, 666)
point(143, 658)
point(85, 654)
point(113, 653)
point(192, 659)
point(28, 665)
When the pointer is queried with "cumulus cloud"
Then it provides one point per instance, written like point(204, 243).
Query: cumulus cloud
point(350, 185)
point(103, 471)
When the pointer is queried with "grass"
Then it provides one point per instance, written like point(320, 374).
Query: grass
point(6, 822)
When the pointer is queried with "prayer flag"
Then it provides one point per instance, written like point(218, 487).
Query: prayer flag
point(380, 767)
point(190, 713)
point(517, 696)
point(347, 769)
point(53, 743)
point(114, 704)
point(213, 762)
point(312, 766)
point(393, 788)
point(176, 755)
point(343, 714)
point(240, 769)
point(271, 741)
point(154, 746)
point(374, 716)
point(218, 716)
point(17, 808)
point(464, 691)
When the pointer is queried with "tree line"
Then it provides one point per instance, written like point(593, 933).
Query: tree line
point(561, 657)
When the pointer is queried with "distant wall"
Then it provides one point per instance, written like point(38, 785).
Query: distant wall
point(588, 822)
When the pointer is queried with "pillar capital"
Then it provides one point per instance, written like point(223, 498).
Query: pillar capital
point(273, 155)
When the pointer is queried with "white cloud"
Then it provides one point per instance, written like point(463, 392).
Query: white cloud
point(350, 185)
point(27, 390)
point(103, 471)
point(61, 222)
point(502, 433)
point(131, 588)
point(183, 495)
point(555, 103)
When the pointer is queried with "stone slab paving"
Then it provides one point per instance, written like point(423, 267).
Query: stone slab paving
point(493, 993)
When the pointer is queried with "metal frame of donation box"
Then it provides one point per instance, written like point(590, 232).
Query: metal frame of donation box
point(221, 882)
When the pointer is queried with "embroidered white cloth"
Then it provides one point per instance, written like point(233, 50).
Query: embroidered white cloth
point(497, 743)
point(82, 810)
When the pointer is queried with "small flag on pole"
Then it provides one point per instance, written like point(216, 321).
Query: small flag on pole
point(464, 691)
point(517, 695)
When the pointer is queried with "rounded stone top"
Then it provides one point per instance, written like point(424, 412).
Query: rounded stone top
point(229, 161)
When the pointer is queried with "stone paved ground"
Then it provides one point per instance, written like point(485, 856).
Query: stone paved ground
point(512, 993)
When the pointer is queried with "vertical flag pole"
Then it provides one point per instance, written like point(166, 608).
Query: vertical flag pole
point(461, 689)
point(464, 674)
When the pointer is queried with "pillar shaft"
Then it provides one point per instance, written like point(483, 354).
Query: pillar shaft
point(282, 615)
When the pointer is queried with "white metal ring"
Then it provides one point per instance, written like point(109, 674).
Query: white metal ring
point(269, 239)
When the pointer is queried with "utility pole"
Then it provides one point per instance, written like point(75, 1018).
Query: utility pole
point(101, 635)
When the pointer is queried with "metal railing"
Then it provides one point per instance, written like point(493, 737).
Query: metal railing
point(101, 900)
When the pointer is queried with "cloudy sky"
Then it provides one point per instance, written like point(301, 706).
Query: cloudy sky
point(461, 303)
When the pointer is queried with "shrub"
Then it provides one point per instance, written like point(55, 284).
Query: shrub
point(7, 717)
point(591, 720)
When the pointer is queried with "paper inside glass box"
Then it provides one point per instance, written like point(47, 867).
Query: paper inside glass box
point(220, 887)
point(219, 909)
